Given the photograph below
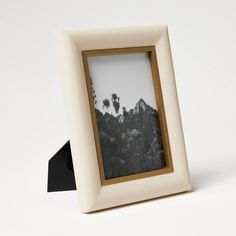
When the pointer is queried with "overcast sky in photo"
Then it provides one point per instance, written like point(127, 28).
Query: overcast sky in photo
point(127, 75)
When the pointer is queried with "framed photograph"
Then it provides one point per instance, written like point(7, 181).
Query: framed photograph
point(124, 120)
point(127, 112)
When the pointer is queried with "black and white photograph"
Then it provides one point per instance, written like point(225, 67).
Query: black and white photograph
point(127, 115)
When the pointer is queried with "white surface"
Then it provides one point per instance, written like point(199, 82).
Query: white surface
point(92, 195)
point(33, 126)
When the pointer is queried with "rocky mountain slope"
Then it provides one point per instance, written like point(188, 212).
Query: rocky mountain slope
point(130, 143)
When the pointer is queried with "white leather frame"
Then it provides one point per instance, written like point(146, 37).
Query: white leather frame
point(92, 195)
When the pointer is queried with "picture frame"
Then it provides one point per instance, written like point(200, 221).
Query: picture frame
point(130, 156)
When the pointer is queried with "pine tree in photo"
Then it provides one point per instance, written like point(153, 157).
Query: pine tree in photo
point(93, 91)
point(115, 102)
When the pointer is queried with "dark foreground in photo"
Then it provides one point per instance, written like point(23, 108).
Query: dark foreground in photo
point(130, 143)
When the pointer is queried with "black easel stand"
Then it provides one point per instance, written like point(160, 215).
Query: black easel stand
point(60, 171)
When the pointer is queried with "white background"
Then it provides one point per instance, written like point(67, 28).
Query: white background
point(33, 124)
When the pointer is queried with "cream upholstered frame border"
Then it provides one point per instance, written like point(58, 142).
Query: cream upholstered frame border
point(92, 195)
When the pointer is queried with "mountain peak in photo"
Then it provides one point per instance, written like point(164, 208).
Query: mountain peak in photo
point(141, 104)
